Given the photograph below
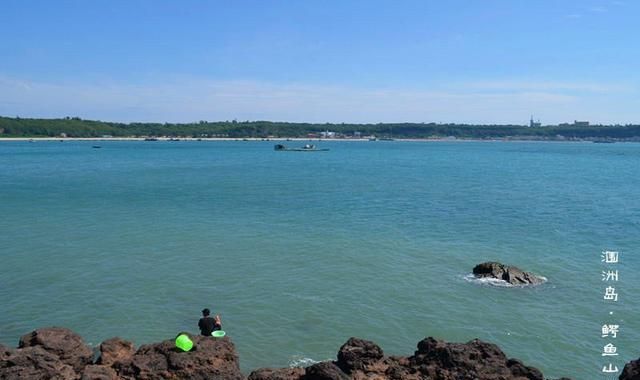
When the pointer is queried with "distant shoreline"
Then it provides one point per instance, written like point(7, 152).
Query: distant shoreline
point(75, 127)
point(292, 139)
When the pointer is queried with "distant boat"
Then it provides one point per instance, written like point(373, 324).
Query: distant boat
point(96, 147)
point(305, 148)
point(603, 141)
point(150, 139)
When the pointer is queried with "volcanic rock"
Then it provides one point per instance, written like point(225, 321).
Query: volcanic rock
point(472, 360)
point(64, 343)
point(510, 274)
point(43, 356)
point(209, 359)
point(5, 352)
point(115, 350)
point(360, 359)
point(277, 374)
point(35, 363)
point(99, 372)
point(357, 354)
point(631, 371)
point(324, 371)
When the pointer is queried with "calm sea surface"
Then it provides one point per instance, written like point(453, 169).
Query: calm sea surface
point(300, 251)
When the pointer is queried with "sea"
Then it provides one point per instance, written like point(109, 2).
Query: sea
point(298, 251)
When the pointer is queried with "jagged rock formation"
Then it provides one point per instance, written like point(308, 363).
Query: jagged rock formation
point(115, 350)
point(361, 359)
point(631, 371)
point(58, 353)
point(63, 343)
point(510, 274)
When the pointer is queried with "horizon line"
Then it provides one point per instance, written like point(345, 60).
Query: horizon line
point(78, 118)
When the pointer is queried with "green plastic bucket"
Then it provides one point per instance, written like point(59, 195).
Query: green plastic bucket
point(184, 343)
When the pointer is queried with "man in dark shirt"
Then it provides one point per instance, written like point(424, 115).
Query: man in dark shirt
point(207, 324)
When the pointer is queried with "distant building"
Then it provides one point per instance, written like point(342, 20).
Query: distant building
point(328, 135)
point(575, 123)
point(534, 124)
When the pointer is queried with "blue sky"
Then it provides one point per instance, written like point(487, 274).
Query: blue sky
point(475, 61)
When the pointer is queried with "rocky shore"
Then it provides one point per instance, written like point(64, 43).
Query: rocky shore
point(59, 353)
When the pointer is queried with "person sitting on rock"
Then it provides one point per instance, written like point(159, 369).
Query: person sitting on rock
point(207, 324)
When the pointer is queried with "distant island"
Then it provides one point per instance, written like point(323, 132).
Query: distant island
point(12, 127)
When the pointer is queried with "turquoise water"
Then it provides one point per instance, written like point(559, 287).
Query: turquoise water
point(300, 251)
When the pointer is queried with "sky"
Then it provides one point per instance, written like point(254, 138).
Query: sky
point(473, 61)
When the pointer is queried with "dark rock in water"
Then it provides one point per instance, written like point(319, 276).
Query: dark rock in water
point(115, 350)
point(631, 371)
point(64, 343)
point(510, 274)
point(35, 363)
point(209, 359)
point(277, 374)
point(357, 354)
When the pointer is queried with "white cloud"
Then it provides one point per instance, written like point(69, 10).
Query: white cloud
point(193, 99)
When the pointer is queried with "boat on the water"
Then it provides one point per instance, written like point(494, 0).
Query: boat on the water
point(305, 148)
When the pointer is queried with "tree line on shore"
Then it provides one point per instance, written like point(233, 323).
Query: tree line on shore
point(76, 127)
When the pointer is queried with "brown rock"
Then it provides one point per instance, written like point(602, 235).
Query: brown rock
point(510, 274)
point(99, 372)
point(35, 363)
point(472, 360)
point(149, 362)
point(398, 368)
point(357, 354)
point(44, 356)
point(115, 350)
point(209, 359)
point(5, 352)
point(64, 343)
point(296, 373)
point(324, 371)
